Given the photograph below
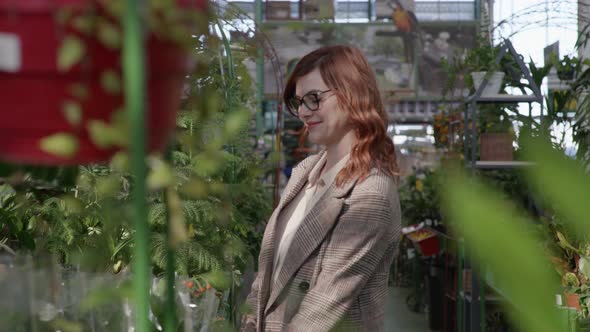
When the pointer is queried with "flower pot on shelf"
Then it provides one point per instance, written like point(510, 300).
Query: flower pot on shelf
point(42, 101)
point(425, 240)
point(496, 147)
point(494, 84)
point(572, 300)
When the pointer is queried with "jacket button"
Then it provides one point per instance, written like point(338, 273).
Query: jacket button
point(304, 286)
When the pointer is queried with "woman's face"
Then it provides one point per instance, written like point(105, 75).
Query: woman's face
point(329, 123)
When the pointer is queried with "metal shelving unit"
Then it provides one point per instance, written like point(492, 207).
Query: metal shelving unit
point(471, 307)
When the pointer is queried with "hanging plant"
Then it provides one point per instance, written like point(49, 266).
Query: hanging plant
point(62, 83)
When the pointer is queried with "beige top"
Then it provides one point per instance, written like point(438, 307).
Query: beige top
point(296, 211)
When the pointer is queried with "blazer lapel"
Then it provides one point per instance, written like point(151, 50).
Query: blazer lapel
point(265, 268)
point(310, 234)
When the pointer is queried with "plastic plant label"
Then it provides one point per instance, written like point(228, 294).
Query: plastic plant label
point(10, 52)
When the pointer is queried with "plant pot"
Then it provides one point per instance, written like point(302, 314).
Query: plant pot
point(496, 147)
point(494, 83)
point(425, 240)
point(34, 90)
point(572, 300)
point(566, 75)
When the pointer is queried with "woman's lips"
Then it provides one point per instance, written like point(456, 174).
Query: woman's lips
point(310, 125)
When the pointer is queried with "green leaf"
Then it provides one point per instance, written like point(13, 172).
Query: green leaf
point(72, 204)
point(61, 144)
point(502, 240)
point(110, 81)
point(108, 34)
point(107, 186)
point(160, 176)
point(584, 266)
point(218, 279)
point(235, 122)
point(83, 23)
point(195, 188)
point(564, 243)
point(71, 51)
point(206, 163)
point(563, 182)
point(178, 230)
point(105, 295)
point(79, 91)
point(64, 325)
point(120, 161)
point(115, 8)
point(106, 136)
point(73, 112)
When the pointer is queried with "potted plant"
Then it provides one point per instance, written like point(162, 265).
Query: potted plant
point(566, 67)
point(496, 133)
point(571, 285)
point(480, 62)
point(62, 80)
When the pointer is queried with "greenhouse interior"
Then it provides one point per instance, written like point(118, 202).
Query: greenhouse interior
point(171, 181)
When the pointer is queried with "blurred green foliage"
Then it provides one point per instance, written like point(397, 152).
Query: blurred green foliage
point(209, 187)
point(511, 245)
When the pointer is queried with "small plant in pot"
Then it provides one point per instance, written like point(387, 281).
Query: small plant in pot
point(496, 133)
point(571, 285)
point(566, 67)
point(480, 62)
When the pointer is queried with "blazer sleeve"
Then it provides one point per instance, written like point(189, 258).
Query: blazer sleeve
point(365, 231)
point(249, 321)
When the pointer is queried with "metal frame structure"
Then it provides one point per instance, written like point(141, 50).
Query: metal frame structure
point(473, 306)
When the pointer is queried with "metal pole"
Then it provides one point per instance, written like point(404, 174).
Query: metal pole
point(259, 77)
point(134, 80)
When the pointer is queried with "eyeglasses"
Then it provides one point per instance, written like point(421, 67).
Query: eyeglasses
point(311, 100)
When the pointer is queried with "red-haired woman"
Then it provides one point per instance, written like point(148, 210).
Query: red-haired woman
point(327, 248)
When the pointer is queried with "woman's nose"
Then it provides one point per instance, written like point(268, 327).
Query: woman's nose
point(303, 111)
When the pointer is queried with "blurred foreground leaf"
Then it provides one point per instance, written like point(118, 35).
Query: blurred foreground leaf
point(60, 144)
point(71, 51)
point(73, 112)
point(107, 295)
point(562, 182)
point(220, 280)
point(503, 241)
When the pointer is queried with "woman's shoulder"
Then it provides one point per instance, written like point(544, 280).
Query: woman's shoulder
point(377, 183)
point(377, 195)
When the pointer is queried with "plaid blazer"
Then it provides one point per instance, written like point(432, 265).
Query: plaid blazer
point(336, 270)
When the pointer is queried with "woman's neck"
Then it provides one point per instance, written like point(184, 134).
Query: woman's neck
point(335, 152)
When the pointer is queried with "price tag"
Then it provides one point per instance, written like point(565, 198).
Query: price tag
point(10, 52)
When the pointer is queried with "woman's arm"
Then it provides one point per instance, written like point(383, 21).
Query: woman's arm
point(362, 236)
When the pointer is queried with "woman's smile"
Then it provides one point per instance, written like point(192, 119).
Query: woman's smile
point(312, 124)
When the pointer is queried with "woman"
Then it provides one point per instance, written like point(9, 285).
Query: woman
point(327, 248)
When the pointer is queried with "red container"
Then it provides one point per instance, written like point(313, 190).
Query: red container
point(425, 240)
point(33, 90)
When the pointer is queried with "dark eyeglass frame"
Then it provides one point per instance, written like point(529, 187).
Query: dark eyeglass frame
point(294, 102)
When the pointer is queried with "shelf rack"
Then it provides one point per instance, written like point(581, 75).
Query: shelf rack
point(471, 307)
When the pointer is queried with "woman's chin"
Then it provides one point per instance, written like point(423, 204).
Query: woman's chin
point(314, 139)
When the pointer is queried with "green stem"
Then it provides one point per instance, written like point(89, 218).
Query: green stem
point(171, 321)
point(134, 76)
